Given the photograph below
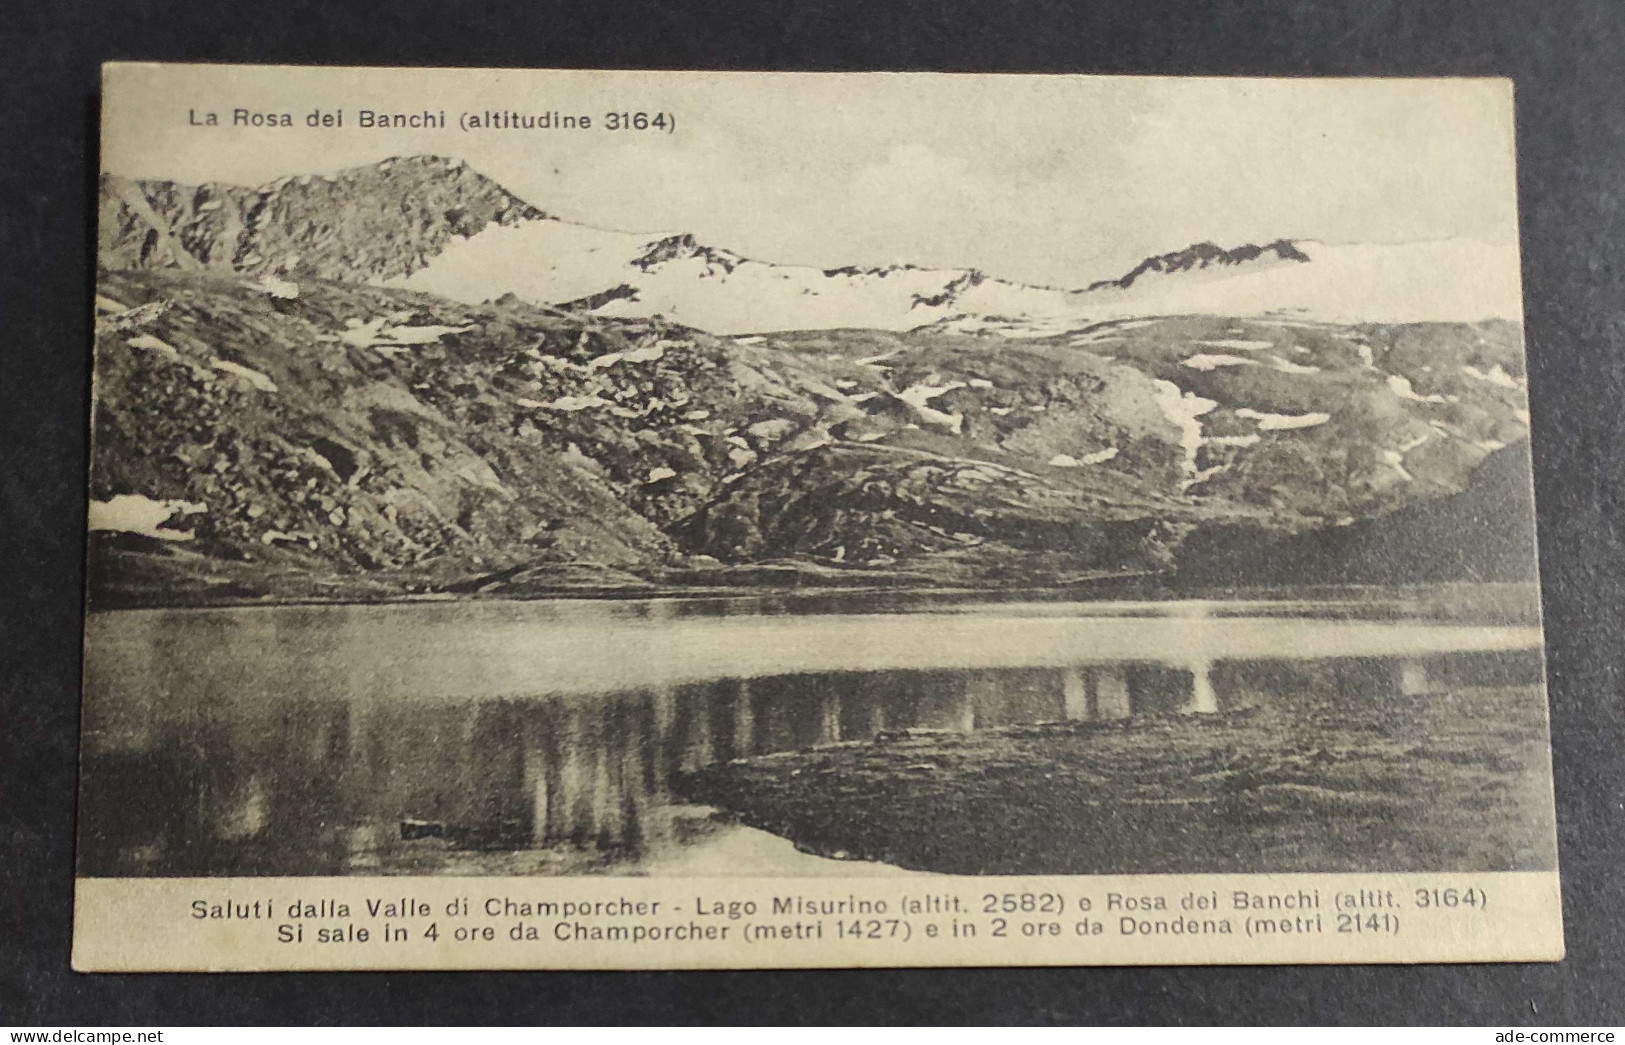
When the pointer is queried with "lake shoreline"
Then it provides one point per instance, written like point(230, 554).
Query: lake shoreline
point(1509, 601)
point(298, 739)
point(1450, 781)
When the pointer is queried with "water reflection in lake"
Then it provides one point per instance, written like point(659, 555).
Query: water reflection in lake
point(515, 739)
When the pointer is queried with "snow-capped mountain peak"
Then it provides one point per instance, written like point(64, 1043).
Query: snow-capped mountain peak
point(435, 225)
point(1206, 256)
point(633, 275)
point(1455, 280)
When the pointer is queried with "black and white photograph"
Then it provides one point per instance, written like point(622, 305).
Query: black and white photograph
point(678, 476)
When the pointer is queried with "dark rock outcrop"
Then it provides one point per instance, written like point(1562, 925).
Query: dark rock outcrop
point(1205, 255)
point(367, 223)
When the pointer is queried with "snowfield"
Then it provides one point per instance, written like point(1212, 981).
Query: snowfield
point(140, 514)
point(636, 275)
point(1448, 281)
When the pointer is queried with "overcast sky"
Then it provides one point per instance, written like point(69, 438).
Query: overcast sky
point(1056, 180)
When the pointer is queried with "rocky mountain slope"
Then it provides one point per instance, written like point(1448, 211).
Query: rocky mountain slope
point(312, 428)
point(1201, 256)
point(435, 225)
point(369, 223)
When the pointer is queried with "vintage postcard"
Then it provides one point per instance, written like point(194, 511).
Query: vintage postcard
point(570, 519)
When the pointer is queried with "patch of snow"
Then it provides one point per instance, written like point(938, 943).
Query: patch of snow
point(1182, 409)
point(1366, 357)
point(1397, 461)
point(1288, 367)
point(604, 362)
point(281, 289)
point(952, 422)
point(753, 339)
point(573, 457)
point(1401, 387)
point(771, 430)
point(1202, 476)
point(152, 344)
point(980, 382)
point(1109, 333)
point(811, 439)
point(570, 404)
point(249, 374)
point(377, 333)
point(1250, 439)
point(1491, 445)
point(998, 411)
point(918, 396)
point(1282, 422)
point(1407, 447)
point(645, 355)
point(107, 304)
point(137, 513)
point(427, 334)
point(1205, 361)
point(1098, 457)
point(1496, 375)
point(658, 474)
point(696, 415)
point(1238, 344)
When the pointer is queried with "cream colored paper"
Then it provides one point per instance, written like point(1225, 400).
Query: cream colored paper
point(830, 519)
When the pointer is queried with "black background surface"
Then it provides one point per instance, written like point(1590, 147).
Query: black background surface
point(1568, 60)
